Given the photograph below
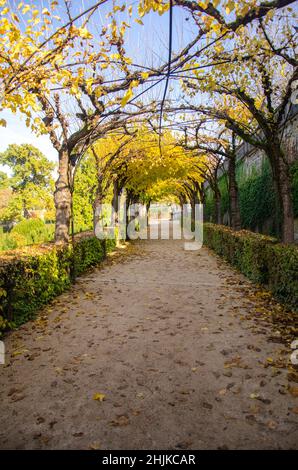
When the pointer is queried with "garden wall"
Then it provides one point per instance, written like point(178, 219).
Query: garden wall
point(256, 199)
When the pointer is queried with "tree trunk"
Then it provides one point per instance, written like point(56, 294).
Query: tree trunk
point(202, 194)
point(282, 180)
point(97, 210)
point(217, 200)
point(115, 203)
point(182, 201)
point(62, 199)
point(193, 201)
point(128, 218)
point(286, 203)
point(233, 194)
point(147, 211)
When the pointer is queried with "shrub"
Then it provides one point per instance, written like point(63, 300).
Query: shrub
point(7, 242)
point(260, 258)
point(17, 240)
point(31, 277)
point(33, 230)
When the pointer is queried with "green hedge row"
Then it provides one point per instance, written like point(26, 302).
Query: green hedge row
point(31, 277)
point(260, 258)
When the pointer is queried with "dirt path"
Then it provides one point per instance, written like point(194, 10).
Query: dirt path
point(182, 354)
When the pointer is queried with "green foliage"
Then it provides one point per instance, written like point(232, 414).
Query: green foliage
point(33, 277)
point(209, 207)
point(33, 231)
point(224, 191)
point(4, 180)
point(28, 165)
point(7, 242)
point(257, 200)
point(88, 252)
point(26, 232)
point(84, 193)
point(260, 258)
point(31, 182)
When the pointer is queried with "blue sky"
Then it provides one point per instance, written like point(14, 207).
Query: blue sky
point(16, 132)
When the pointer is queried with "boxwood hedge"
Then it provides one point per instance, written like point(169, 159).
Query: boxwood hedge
point(262, 259)
point(32, 276)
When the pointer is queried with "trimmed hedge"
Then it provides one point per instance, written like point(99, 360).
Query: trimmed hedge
point(31, 277)
point(260, 258)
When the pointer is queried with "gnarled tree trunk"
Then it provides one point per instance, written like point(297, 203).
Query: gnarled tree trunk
point(115, 202)
point(233, 194)
point(282, 182)
point(97, 208)
point(193, 201)
point(62, 199)
point(147, 211)
point(217, 200)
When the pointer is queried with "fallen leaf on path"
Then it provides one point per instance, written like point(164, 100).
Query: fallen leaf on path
point(19, 353)
point(293, 391)
point(15, 390)
point(293, 375)
point(94, 446)
point(272, 425)
point(18, 397)
point(99, 397)
point(207, 405)
point(120, 421)
point(235, 362)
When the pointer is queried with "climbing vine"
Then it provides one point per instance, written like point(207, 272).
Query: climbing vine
point(258, 206)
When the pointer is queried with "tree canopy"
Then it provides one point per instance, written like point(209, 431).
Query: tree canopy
point(152, 119)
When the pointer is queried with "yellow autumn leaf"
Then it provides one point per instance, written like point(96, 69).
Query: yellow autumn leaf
point(204, 4)
point(99, 396)
point(230, 6)
point(293, 391)
point(128, 95)
point(84, 33)
point(25, 9)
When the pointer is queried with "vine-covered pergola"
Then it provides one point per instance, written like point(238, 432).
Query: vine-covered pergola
point(149, 120)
